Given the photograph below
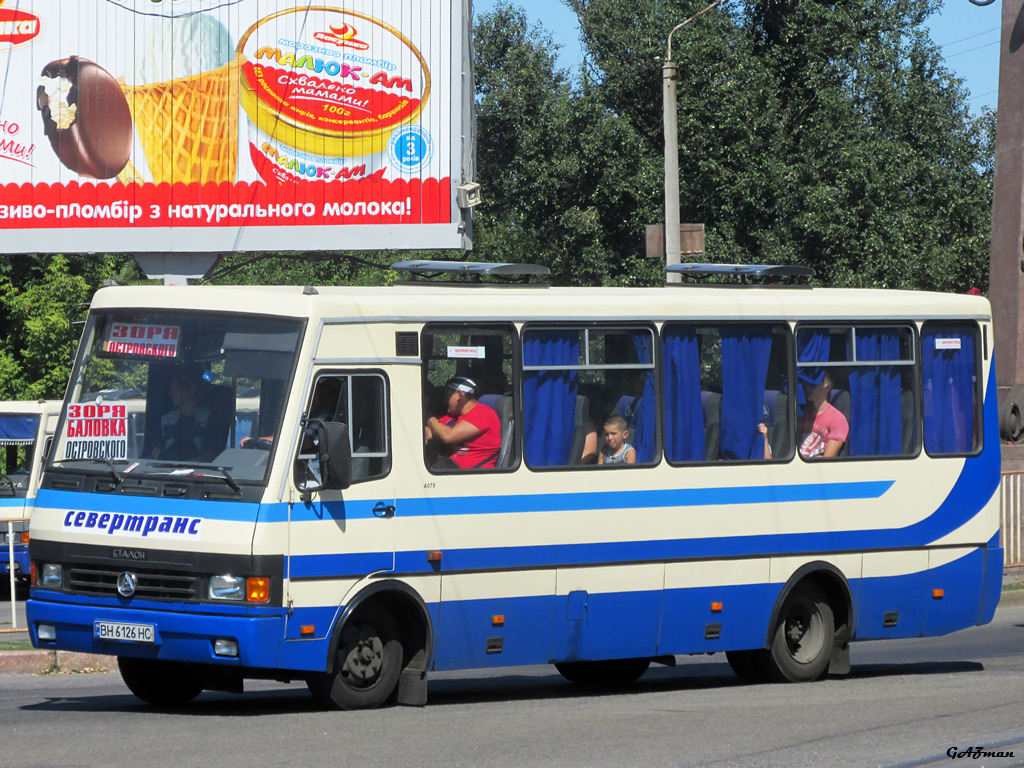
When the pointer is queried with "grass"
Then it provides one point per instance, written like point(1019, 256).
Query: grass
point(1012, 587)
point(15, 645)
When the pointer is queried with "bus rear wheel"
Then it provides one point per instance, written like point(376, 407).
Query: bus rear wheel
point(163, 683)
point(610, 673)
point(367, 663)
point(803, 638)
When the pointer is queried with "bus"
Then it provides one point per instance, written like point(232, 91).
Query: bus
point(26, 427)
point(330, 546)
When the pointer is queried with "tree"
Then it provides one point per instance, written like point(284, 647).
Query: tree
point(565, 182)
point(821, 133)
point(38, 299)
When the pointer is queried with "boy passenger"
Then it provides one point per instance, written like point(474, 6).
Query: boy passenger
point(616, 450)
point(470, 434)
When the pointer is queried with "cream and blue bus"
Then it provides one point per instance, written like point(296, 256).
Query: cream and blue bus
point(326, 545)
point(26, 427)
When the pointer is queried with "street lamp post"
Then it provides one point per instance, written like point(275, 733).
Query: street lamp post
point(669, 74)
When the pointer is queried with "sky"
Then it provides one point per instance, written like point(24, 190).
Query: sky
point(968, 36)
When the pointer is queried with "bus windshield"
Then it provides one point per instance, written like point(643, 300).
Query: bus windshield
point(169, 393)
point(17, 437)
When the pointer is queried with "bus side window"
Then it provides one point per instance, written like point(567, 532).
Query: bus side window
point(359, 401)
point(726, 392)
point(589, 391)
point(484, 354)
point(951, 399)
point(867, 373)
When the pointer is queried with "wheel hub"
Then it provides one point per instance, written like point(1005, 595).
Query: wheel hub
point(365, 657)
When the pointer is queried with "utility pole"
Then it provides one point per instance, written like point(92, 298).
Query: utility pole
point(669, 75)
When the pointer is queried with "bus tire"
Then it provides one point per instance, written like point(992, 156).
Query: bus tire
point(803, 637)
point(614, 672)
point(163, 683)
point(749, 666)
point(367, 664)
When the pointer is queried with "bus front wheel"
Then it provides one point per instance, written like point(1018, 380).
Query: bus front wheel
point(367, 663)
point(803, 638)
point(611, 673)
point(163, 683)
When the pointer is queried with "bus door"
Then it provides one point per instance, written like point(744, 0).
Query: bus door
point(347, 534)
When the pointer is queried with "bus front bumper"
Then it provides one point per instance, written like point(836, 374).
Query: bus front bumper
point(169, 635)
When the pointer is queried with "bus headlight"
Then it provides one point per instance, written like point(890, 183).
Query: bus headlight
point(52, 576)
point(227, 588)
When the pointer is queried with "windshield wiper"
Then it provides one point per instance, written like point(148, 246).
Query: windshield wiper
point(109, 462)
point(225, 476)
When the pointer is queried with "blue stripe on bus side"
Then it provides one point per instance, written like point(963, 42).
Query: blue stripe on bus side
point(18, 502)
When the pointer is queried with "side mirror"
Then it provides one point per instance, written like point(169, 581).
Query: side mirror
point(326, 462)
point(335, 454)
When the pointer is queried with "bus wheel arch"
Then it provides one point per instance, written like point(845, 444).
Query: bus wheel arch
point(403, 627)
point(811, 625)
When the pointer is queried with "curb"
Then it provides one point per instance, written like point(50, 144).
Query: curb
point(53, 662)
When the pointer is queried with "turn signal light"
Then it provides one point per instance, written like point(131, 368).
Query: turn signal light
point(716, 607)
point(24, 537)
point(257, 589)
point(937, 594)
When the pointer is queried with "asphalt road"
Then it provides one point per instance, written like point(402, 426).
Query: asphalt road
point(905, 704)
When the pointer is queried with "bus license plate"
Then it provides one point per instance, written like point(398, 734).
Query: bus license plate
point(127, 633)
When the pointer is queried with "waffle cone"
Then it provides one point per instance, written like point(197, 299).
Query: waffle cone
point(188, 127)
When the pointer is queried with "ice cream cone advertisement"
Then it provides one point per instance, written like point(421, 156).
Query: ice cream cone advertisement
point(234, 125)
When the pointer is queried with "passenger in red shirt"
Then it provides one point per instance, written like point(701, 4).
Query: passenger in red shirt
point(823, 428)
point(471, 433)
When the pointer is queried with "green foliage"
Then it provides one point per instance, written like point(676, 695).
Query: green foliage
point(828, 134)
point(38, 299)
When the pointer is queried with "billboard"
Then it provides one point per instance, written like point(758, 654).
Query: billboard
point(177, 126)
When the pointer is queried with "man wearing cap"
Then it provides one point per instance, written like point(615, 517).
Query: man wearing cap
point(471, 432)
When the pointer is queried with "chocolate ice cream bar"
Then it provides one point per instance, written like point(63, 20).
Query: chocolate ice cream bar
point(86, 117)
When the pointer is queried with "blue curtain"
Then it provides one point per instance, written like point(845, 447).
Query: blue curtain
point(812, 347)
point(18, 430)
point(644, 417)
point(745, 354)
point(549, 397)
point(875, 417)
point(949, 389)
point(684, 415)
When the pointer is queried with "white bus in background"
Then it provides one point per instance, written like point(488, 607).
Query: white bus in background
point(336, 553)
point(25, 430)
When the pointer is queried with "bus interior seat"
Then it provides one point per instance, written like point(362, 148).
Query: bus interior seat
point(625, 407)
point(581, 420)
point(712, 404)
point(219, 399)
point(776, 413)
point(502, 405)
point(840, 400)
point(908, 421)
